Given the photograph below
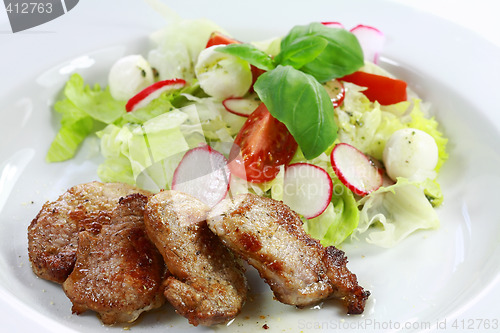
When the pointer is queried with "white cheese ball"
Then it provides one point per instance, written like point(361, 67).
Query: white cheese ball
point(412, 154)
point(128, 76)
point(222, 75)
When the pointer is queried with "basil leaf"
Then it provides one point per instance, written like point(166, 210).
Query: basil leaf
point(250, 54)
point(300, 102)
point(342, 55)
point(301, 51)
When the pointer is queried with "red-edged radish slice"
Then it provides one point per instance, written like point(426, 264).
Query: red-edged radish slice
point(203, 173)
point(242, 106)
point(355, 170)
point(307, 189)
point(145, 96)
point(371, 40)
point(333, 24)
point(336, 91)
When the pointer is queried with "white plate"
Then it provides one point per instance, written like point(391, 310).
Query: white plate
point(430, 277)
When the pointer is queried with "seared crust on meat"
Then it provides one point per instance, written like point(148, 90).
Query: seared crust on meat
point(207, 285)
point(118, 271)
point(53, 234)
point(270, 236)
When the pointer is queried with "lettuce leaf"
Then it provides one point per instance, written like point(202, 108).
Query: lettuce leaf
point(367, 126)
point(76, 125)
point(391, 213)
point(96, 102)
point(83, 109)
point(341, 216)
point(178, 45)
point(339, 219)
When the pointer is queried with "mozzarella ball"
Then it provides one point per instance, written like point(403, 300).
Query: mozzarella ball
point(128, 76)
point(222, 75)
point(412, 154)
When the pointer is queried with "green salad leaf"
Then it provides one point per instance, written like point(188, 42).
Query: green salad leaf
point(300, 102)
point(342, 54)
point(76, 125)
point(391, 213)
point(339, 219)
point(83, 109)
point(249, 53)
point(302, 51)
point(96, 102)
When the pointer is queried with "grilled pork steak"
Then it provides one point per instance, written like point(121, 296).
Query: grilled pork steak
point(118, 271)
point(299, 270)
point(207, 285)
point(53, 234)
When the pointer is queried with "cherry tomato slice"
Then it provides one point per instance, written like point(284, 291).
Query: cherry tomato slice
point(216, 38)
point(261, 146)
point(382, 89)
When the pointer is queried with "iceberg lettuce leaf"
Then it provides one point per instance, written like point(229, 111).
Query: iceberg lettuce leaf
point(76, 125)
point(96, 102)
point(83, 110)
point(339, 219)
point(391, 213)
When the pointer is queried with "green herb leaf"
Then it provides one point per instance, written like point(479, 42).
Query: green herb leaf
point(300, 102)
point(250, 54)
point(302, 51)
point(341, 56)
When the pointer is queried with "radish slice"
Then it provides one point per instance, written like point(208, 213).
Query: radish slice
point(145, 96)
point(355, 170)
point(336, 91)
point(242, 106)
point(307, 189)
point(203, 173)
point(333, 24)
point(371, 40)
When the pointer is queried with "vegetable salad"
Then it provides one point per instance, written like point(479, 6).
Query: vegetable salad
point(305, 93)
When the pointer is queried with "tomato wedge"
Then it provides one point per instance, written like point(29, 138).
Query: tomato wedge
point(261, 146)
point(382, 89)
point(216, 38)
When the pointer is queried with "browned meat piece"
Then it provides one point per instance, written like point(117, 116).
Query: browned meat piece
point(118, 272)
point(208, 286)
point(299, 270)
point(53, 234)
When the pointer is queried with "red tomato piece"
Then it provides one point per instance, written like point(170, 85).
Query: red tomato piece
point(216, 38)
point(382, 89)
point(261, 146)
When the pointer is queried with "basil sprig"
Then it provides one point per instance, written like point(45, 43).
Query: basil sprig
point(291, 88)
